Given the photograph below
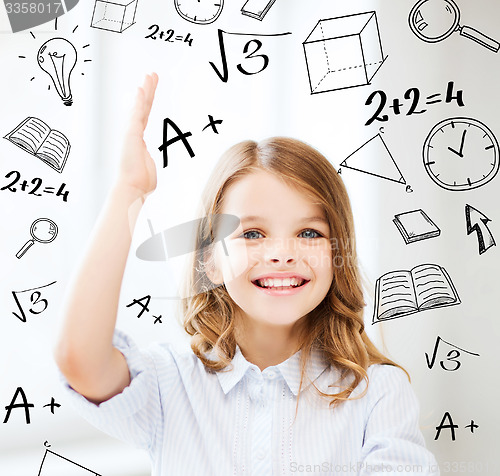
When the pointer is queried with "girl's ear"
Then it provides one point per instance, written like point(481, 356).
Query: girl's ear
point(211, 270)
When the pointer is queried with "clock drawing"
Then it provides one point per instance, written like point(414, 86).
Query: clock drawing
point(201, 12)
point(461, 154)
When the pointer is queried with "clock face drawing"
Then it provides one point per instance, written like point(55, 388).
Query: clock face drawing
point(201, 12)
point(461, 154)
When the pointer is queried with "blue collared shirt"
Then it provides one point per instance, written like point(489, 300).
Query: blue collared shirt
point(241, 421)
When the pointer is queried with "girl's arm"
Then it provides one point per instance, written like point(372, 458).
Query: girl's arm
point(84, 353)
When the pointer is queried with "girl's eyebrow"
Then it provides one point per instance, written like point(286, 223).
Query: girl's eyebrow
point(316, 218)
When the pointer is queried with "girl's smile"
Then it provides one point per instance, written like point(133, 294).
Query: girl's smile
point(281, 284)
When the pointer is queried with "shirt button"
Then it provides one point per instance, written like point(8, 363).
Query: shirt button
point(261, 454)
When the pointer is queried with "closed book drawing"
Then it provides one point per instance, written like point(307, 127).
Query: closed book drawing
point(415, 226)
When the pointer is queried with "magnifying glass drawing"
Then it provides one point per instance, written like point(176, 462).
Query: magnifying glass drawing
point(436, 20)
point(42, 230)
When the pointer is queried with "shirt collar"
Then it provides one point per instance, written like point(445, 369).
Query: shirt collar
point(289, 369)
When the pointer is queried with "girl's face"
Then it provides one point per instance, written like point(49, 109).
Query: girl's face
point(278, 265)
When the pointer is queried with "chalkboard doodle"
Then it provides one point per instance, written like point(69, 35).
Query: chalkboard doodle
point(15, 179)
point(401, 293)
point(257, 8)
point(374, 158)
point(254, 64)
point(201, 12)
point(116, 16)
point(476, 221)
point(448, 424)
point(54, 464)
point(43, 230)
point(183, 136)
point(168, 36)
point(413, 98)
point(20, 401)
point(57, 57)
point(415, 225)
point(143, 302)
point(451, 363)
point(343, 52)
point(461, 154)
point(435, 20)
point(32, 301)
point(37, 138)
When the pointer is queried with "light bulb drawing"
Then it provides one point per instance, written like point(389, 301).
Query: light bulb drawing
point(62, 63)
point(57, 57)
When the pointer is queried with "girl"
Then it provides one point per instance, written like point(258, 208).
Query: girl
point(281, 377)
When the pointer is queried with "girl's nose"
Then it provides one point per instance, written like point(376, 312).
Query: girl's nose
point(280, 253)
point(283, 260)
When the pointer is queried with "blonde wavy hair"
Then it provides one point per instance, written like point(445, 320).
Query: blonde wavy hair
point(335, 327)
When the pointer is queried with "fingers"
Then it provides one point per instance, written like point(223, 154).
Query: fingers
point(143, 104)
point(137, 119)
point(150, 84)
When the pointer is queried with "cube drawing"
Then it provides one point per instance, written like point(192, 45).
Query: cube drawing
point(115, 15)
point(343, 52)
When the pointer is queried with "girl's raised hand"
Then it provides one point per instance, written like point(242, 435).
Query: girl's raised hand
point(137, 168)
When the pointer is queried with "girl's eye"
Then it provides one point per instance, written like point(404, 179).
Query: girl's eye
point(252, 234)
point(310, 234)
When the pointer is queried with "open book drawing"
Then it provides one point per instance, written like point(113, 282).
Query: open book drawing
point(38, 139)
point(400, 293)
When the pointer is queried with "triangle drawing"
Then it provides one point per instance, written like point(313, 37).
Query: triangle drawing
point(57, 465)
point(374, 158)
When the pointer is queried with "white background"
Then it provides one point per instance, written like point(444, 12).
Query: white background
point(274, 102)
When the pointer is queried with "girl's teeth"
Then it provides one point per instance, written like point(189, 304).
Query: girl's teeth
point(280, 283)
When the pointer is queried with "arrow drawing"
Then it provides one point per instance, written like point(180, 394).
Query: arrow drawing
point(476, 221)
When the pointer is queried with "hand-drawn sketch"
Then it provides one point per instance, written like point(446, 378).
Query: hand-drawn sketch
point(115, 15)
point(37, 138)
point(451, 356)
point(15, 179)
point(32, 300)
point(60, 64)
point(256, 43)
point(343, 52)
point(477, 221)
point(57, 57)
point(257, 8)
point(181, 239)
point(54, 464)
point(168, 36)
point(42, 230)
point(401, 293)
point(436, 20)
point(201, 12)
point(374, 158)
point(415, 225)
point(397, 106)
point(461, 154)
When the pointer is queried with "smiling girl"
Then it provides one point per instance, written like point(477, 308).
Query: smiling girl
point(281, 377)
